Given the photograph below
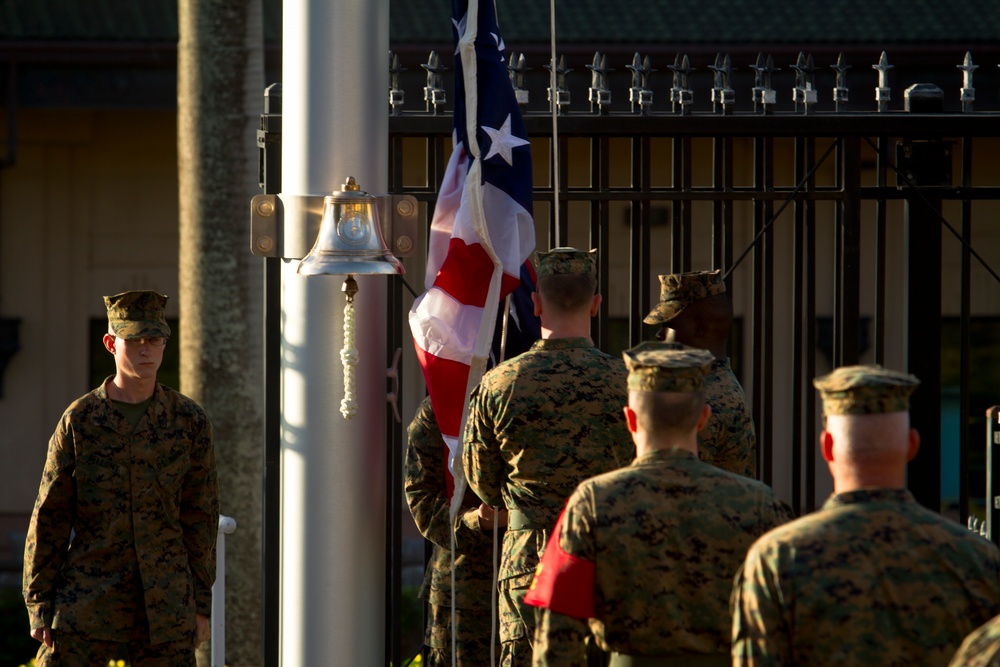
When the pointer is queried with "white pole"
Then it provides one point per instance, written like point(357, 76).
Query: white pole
point(227, 526)
point(334, 125)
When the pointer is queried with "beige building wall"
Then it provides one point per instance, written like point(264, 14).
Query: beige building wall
point(88, 209)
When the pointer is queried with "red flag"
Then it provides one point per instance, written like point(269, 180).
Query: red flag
point(482, 231)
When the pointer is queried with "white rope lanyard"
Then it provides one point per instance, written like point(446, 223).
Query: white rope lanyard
point(496, 510)
point(349, 358)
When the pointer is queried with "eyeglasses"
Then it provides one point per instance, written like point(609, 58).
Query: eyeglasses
point(158, 341)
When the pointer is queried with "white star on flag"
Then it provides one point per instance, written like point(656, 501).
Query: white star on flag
point(502, 142)
point(460, 28)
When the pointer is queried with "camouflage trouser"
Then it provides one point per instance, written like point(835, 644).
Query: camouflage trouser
point(517, 623)
point(72, 650)
point(472, 637)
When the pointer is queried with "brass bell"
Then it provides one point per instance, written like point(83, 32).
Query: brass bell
point(350, 238)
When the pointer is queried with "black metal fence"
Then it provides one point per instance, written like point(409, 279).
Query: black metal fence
point(845, 236)
point(818, 198)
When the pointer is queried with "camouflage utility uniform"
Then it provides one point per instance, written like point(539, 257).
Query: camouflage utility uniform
point(427, 497)
point(122, 537)
point(981, 648)
point(872, 579)
point(539, 424)
point(728, 440)
point(667, 534)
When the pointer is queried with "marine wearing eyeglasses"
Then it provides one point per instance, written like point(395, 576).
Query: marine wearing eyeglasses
point(155, 341)
point(130, 482)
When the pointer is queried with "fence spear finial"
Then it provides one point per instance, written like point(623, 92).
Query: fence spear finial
point(883, 94)
point(968, 91)
point(840, 87)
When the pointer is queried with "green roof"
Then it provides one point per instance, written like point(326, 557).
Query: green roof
point(717, 21)
point(913, 22)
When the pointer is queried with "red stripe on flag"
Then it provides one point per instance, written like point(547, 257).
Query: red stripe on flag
point(508, 284)
point(463, 271)
point(446, 381)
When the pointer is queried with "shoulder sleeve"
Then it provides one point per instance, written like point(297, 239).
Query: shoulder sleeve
point(199, 510)
point(559, 640)
point(758, 633)
point(50, 526)
point(482, 460)
point(426, 487)
point(424, 481)
point(981, 648)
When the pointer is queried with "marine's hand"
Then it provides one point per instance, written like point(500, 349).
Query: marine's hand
point(203, 630)
point(43, 635)
point(488, 516)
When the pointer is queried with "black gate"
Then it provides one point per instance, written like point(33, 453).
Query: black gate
point(896, 191)
point(845, 237)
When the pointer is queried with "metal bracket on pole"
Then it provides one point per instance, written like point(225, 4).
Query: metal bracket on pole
point(270, 236)
point(398, 214)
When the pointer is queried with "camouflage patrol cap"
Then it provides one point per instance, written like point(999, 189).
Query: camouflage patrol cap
point(137, 314)
point(865, 390)
point(566, 260)
point(655, 366)
point(680, 290)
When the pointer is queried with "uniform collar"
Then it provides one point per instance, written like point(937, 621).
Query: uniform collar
point(869, 496)
point(658, 455)
point(561, 343)
point(721, 363)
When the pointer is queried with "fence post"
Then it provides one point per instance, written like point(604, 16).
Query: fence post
point(993, 474)
point(227, 525)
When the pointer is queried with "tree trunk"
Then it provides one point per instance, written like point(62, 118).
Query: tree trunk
point(220, 84)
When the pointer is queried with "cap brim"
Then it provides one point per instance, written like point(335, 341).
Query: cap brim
point(133, 329)
point(664, 312)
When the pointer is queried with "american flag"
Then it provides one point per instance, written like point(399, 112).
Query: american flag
point(482, 232)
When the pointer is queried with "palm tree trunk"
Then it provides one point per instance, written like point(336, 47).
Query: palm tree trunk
point(220, 84)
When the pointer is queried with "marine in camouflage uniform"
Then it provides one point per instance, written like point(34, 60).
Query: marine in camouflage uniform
point(655, 545)
point(873, 578)
point(427, 497)
point(981, 648)
point(695, 310)
point(539, 424)
point(121, 545)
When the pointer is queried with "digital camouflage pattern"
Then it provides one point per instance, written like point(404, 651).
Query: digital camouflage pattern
point(865, 390)
point(667, 534)
point(144, 507)
point(680, 290)
point(728, 440)
point(981, 648)
point(70, 649)
point(559, 261)
point(539, 424)
point(473, 644)
point(425, 485)
point(137, 314)
point(654, 366)
point(873, 578)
